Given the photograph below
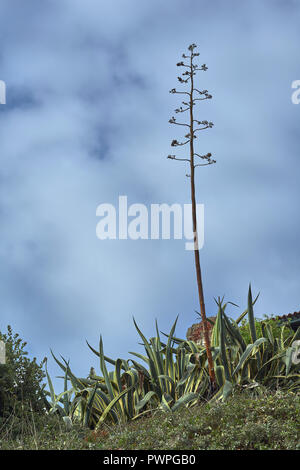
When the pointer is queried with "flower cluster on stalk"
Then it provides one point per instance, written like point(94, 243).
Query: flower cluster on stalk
point(187, 105)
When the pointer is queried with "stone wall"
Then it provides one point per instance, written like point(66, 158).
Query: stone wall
point(196, 331)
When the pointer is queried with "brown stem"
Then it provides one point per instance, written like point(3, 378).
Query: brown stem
point(196, 248)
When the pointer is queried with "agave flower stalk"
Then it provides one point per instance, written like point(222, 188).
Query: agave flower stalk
point(194, 126)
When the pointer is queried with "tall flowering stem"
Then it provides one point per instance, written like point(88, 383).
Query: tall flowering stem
point(194, 159)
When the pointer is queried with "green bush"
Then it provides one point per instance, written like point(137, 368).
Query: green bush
point(21, 387)
point(277, 328)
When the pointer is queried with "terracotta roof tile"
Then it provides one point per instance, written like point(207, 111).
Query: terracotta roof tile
point(292, 316)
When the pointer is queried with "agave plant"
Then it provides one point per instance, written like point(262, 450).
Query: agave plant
point(267, 360)
point(61, 403)
point(94, 397)
point(175, 374)
point(169, 379)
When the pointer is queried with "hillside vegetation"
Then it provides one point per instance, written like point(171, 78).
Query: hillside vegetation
point(163, 399)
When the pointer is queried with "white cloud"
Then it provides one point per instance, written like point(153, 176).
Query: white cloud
point(88, 121)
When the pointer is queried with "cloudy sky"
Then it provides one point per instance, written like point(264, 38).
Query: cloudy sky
point(86, 120)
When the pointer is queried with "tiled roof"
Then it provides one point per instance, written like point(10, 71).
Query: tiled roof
point(292, 318)
point(289, 316)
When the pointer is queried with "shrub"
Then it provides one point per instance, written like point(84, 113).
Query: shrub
point(277, 328)
point(21, 387)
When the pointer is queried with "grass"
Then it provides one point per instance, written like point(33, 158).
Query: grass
point(270, 421)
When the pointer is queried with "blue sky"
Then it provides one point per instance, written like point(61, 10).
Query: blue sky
point(86, 120)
